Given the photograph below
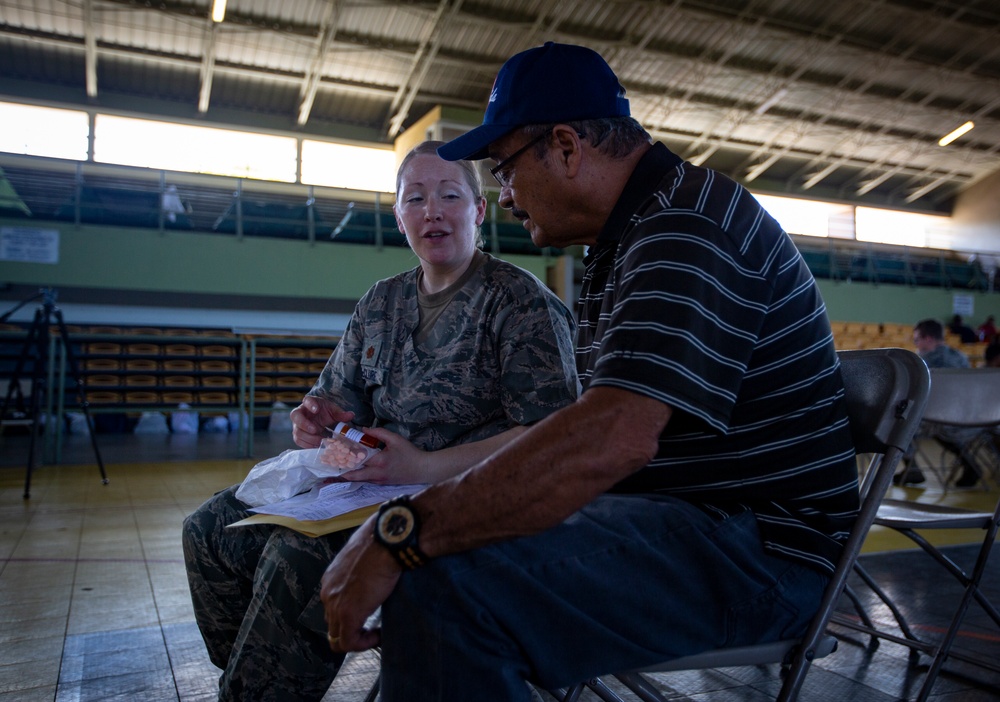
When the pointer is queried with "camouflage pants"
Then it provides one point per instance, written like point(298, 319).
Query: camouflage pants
point(255, 591)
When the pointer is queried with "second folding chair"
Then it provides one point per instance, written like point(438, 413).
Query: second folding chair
point(961, 398)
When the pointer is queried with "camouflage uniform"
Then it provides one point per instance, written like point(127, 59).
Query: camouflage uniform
point(500, 355)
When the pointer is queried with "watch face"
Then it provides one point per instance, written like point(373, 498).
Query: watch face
point(395, 524)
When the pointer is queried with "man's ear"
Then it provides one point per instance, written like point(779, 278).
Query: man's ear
point(568, 144)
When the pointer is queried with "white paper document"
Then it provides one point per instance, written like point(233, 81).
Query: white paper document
point(334, 499)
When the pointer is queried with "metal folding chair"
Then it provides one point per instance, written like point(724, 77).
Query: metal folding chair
point(963, 398)
point(945, 451)
point(886, 390)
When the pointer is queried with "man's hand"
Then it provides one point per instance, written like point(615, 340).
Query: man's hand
point(359, 580)
point(311, 419)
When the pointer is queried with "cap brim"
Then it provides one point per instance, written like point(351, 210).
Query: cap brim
point(474, 145)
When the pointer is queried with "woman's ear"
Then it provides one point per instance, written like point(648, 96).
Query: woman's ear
point(481, 211)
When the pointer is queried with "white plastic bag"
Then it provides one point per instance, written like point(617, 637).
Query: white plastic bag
point(347, 448)
point(152, 423)
point(77, 423)
point(216, 425)
point(282, 476)
point(235, 418)
point(184, 421)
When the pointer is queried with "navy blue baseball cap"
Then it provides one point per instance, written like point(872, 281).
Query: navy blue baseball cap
point(550, 83)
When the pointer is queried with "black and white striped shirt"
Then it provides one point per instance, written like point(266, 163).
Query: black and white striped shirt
point(694, 296)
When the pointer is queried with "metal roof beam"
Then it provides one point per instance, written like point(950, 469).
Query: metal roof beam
point(422, 60)
point(90, 48)
point(243, 70)
point(868, 185)
point(924, 189)
point(886, 117)
point(310, 83)
point(207, 65)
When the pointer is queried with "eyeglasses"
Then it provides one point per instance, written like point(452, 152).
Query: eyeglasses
point(498, 170)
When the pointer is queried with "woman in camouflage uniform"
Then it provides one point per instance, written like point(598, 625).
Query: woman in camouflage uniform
point(446, 362)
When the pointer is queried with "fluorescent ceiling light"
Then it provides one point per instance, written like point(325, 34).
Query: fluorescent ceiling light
point(948, 138)
point(218, 10)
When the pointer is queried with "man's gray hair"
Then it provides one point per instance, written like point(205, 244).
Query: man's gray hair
point(615, 137)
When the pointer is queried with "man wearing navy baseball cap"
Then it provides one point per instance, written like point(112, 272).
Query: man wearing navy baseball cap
point(698, 492)
point(553, 83)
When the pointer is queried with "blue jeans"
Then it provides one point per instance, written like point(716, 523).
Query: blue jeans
point(625, 582)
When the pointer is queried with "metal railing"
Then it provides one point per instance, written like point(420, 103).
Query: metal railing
point(84, 193)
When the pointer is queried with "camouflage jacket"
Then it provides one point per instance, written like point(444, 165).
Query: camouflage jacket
point(500, 355)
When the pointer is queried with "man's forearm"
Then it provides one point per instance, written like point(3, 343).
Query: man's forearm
point(545, 474)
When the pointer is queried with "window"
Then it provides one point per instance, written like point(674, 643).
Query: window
point(180, 147)
point(343, 166)
point(902, 228)
point(43, 131)
point(806, 217)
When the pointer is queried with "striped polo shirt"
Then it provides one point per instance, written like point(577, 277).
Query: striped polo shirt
point(693, 295)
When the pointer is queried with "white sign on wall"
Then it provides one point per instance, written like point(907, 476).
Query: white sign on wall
point(29, 245)
point(963, 305)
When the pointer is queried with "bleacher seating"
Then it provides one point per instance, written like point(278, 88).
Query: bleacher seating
point(872, 335)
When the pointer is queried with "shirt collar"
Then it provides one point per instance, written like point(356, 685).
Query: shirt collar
point(644, 181)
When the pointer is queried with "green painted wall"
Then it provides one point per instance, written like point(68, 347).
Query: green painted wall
point(864, 302)
point(145, 260)
point(141, 259)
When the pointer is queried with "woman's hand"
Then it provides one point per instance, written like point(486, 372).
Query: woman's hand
point(311, 419)
point(399, 463)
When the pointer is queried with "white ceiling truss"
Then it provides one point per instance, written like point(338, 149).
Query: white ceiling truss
point(842, 100)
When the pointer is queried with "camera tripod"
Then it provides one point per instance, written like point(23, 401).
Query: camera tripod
point(36, 349)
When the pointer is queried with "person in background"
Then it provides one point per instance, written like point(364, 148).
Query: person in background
point(447, 362)
point(698, 492)
point(987, 330)
point(172, 204)
point(928, 338)
point(992, 355)
point(965, 333)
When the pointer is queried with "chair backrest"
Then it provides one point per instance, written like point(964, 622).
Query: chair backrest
point(884, 388)
point(886, 391)
point(966, 397)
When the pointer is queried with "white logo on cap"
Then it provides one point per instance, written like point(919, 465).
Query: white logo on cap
point(493, 96)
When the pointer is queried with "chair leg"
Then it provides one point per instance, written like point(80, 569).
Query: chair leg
point(571, 694)
point(867, 626)
point(859, 607)
point(643, 689)
point(373, 692)
point(599, 688)
point(992, 447)
point(956, 571)
point(968, 459)
point(971, 592)
point(937, 466)
point(882, 595)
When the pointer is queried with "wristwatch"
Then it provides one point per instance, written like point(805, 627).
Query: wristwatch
point(397, 528)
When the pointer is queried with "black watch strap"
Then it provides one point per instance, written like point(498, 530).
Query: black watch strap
point(397, 528)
